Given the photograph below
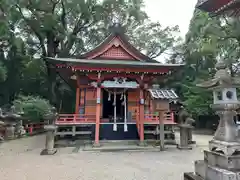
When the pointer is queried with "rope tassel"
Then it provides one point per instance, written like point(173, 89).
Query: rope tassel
point(125, 128)
point(114, 127)
point(125, 114)
point(115, 113)
point(121, 96)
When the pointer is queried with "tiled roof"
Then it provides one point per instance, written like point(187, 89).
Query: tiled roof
point(163, 94)
point(114, 62)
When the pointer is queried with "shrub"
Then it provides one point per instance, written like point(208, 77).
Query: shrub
point(33, 107)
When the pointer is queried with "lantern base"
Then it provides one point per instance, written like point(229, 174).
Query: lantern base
point(191, 142)
point(228, 148)
point(184, 147)
point(48, 152)
point(192, 176)
point(142, 143)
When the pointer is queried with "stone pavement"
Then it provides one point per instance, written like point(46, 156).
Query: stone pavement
point(20, 160)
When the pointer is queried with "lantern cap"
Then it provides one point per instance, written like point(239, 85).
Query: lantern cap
point(221, 79)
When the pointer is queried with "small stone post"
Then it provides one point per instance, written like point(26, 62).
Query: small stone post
point(190, 141)
point(50, 133)
point(10, 131)
point(49, 146)
point(185, 129)
point(184, 137)
point(161, 132)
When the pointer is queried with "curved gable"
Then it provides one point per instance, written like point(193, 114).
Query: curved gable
point(116, 47)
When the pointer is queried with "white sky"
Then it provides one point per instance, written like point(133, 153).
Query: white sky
point(171, 12)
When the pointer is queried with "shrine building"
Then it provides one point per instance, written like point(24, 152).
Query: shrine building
point(114, 91)
point(219, 7)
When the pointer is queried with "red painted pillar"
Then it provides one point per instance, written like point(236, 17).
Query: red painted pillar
point(77, 101)
point(172, 117)
point(98, 113)
point(31, 129)
point(141, 116)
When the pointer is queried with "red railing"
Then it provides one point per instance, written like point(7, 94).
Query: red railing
point(91, 118)
point(33, 128)
point(153, 118)
point(75, 118)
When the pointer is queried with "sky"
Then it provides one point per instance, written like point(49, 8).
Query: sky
point(171, 12)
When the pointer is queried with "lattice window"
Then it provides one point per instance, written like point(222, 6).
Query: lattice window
point(116, 53)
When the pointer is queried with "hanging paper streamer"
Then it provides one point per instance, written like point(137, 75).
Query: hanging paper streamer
point(115, 113)
point(114, 127)
point(123, 103)
point(121, 96)
point(109, 96)
point(125, 114)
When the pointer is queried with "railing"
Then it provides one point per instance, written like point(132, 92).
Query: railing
point(153, 118)
point(91, 118)
point(76, 118)
point(34, 128)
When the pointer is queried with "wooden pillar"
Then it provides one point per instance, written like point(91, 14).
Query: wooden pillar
point(141, 116)
point(161, 128)
point(98, 113)
point(77, 101)
point(151, 106)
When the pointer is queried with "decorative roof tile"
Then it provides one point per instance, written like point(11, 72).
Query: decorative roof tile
point(163, 94)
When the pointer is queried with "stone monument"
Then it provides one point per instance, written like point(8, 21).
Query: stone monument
point(222, 160)
point(2, 126)
point(12, 123)
point(186, 127)
point(50, 132)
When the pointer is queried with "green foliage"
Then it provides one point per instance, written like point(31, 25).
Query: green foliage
point(32, 30)
point(208, 40)
point(34, 107)
point(197, 100)
point(153, 39)
point(3, 72)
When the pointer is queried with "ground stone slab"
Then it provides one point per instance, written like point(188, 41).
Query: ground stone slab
point(18, 163)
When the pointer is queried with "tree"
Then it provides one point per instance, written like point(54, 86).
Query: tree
point(154, 40)
point(208, 40)
point(65, 28)
point(199, 52)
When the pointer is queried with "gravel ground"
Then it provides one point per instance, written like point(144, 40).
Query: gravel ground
point(20, 160)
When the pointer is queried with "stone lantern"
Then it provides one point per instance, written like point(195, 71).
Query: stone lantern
point(13, 123)
point(50, 128)
point(2, 124)
point(222, 160)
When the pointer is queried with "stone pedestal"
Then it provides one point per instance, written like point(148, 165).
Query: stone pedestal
point(184, 145)
point(49, 146)
point(217, 166)
point(96, 145)
point(190, 139)
point(222, 160)
point(10, 132)
point(142, 143)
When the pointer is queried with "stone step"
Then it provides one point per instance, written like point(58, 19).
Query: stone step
point(154, 132)
point(200, 168)
point(76, 133)
point(191, 176)
point(114, 148)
